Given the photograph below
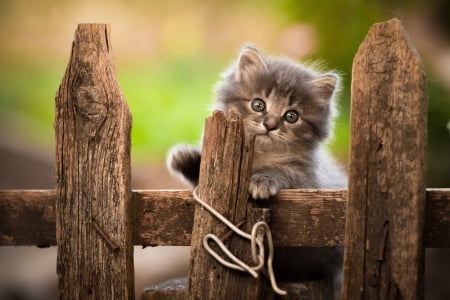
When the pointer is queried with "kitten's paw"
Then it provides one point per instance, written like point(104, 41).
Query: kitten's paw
point(184, 160)
point(262, 186)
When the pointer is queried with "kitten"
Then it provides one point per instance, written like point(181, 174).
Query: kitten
point(289, 108)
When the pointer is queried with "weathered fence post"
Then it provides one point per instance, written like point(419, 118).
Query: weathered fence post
point(224, 174)
point(93, 210)
point(384, 249)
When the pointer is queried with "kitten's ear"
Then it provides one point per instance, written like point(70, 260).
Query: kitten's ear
point(250, 61)
point(325, 85)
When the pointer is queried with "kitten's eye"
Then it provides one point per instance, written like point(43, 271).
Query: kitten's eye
point(291, 116)
point(258, 105)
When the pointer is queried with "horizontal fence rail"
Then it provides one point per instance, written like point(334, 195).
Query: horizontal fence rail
point(165, 217)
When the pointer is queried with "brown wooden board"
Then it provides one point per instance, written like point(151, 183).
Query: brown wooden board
point(384, 249)
point(223, 184)
point(27, 217)
point(93, 207)
point(165, 217)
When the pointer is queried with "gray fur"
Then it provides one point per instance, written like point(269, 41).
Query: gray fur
point(287, 155)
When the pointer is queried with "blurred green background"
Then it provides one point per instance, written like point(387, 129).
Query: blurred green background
point(169, 55)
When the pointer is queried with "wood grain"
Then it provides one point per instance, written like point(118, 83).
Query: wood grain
point(223, 184)
point(384, 249)
point(27, 217)
point(309, 218)
point(93, 206)
point(165, 218)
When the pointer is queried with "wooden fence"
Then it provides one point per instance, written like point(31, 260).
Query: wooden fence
point(385, 220)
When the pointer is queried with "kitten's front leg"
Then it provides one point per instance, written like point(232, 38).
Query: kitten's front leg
point(263, 185)
point(184, 160)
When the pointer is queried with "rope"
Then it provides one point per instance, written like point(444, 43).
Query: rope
point(259, 231)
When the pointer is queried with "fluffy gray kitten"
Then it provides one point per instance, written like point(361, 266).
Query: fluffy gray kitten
point(289, 108)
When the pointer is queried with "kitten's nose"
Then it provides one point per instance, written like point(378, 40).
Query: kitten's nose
point(270, 125)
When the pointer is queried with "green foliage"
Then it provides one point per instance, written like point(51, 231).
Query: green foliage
point(341, 25)
point(169, 103)
point(27, 99)
point(438, 136)
point(170, 89)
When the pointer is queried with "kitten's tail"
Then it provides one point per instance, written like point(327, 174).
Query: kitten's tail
point(184, 162)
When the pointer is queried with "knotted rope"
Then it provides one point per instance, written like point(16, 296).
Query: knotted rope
point(259, 231)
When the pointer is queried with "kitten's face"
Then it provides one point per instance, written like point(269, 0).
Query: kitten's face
point(274, 118)
point(282, 103)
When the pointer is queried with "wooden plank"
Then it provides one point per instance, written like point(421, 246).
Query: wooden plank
point(384, 250)
point(27, 217)
point(165, 217)
point(437, 218)
point(94, 206)
point(314, 218)
point(223, 184)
